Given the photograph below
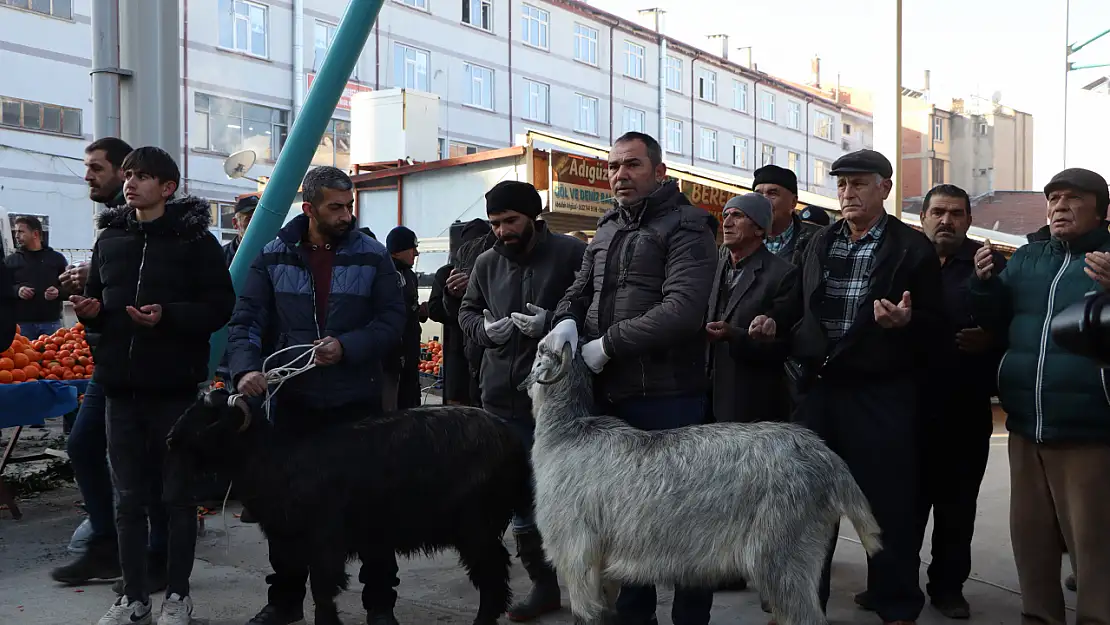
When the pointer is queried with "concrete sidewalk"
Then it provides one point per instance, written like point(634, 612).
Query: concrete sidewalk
point(228, 586)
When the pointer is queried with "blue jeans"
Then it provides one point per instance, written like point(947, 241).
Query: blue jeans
point(637, 604)
point(34, 329)
point(524, 520)
point(88, 452)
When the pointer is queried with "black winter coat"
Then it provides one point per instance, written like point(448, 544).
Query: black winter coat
point(456, 371)
point(173, 261)
point(38, 270)
point(404, 359)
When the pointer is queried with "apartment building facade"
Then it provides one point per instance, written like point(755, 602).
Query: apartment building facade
point(499, 67)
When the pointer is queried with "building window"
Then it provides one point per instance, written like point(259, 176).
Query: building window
point(938, 171)
point(767, 106)
point(53, 8)
point(410, 68)
point(938, 129)
point(635, 120)
point(536, 98)
point(983, 129)
point(226, 126)
point(794, 163)
point(674, 73)
point(416, 4)
point(707, 85)
point(479, 86)
point(456, 149)
point(822, 125)
point(586, 119)
point(324, 35)
point(795, 114)
point(478, 13)
point(674, 136)
point(820, 172)
point(767, 155)
point(633, 60)
point(335, 145)
point(585, 44)
point(740, 152)
point(534, 25)
point(708, 150)
point(243, 27)
point(847, 129)
point(27, 115)
point(740, 96)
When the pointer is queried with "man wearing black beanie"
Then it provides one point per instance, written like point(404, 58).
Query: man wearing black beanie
point(511, 289)
point(788, 235)
point(401, 388)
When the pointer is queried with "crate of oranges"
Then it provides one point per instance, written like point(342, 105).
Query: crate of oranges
point(64, 355)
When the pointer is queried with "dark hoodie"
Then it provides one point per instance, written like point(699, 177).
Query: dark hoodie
point(173, 261)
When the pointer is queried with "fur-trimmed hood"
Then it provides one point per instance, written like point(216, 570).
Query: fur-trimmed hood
point(189, 215)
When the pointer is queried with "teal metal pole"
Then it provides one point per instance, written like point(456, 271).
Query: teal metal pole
point(304, 138)
point(1076, 47)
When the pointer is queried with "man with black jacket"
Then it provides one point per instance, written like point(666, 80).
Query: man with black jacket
point(788, 235)
point(453, 292)
point(639, 298)
point(402, 365)
point(157, 289)
point(456, 370)
point(873, 310)
point(244, 210)
point(506, 310)
point(36, 270)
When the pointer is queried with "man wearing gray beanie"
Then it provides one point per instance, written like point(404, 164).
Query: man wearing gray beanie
point(511, 289)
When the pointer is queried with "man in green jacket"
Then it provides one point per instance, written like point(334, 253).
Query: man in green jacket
point(1057, 403)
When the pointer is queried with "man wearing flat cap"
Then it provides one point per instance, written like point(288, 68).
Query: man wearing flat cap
point(401, 386)
point(1057, 403)
point(244, 210)
point(871, 290)
point(787, 235)
point(506, 309)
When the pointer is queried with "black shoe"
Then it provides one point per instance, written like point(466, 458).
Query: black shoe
point(544, 597)
point(863, 601)
point(246, 517)
point(381, 617)
point(277, 615)
point(952, 605)
point(155, 576)
point(1070, 583)
point(99, 562)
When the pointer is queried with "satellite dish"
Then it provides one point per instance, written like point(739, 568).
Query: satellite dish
point(238, 164)
point(996, 97)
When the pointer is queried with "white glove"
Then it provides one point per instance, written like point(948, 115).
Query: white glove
point(498, 330)
point(566, 331)
point(594, 355)
point(531, 325)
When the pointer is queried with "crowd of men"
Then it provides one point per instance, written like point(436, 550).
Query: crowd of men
point(887, 341)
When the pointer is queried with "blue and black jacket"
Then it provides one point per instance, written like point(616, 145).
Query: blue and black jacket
point(277, 309)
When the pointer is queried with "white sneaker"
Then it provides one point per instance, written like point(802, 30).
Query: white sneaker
point(176, 610)
point(124, 612)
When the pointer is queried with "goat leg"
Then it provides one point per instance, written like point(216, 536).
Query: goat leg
point(487, 564)
point(327, 577)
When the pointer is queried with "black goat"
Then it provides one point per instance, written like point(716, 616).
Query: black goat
point(419, 481)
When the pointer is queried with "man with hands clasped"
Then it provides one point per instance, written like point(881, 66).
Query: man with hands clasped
point(1056, 402)
point(639, 299)
point(872, 311)
point(527, 270)
point(321, 282)
point(157, 285)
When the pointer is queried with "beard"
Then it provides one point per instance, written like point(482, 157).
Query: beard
point(103, 195)
point(334, 230)
point(519, 242)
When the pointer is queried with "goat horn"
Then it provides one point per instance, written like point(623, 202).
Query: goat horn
point(564, 367)
point(240, 403)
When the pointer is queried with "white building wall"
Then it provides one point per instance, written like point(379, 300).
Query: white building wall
point(40, 172)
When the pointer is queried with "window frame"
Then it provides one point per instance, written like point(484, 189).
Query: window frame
point(329, 30)
point(632, 58)
point(583, 104)
point(587, 36)
point(472, 80)
point(403, 84)
point(763, 153)
point(737, 142)
point(711, 135)
point(672, 125)
point(542, 17)
point(235, 17)
point(487, 14)
point(706, 76)
point(767, 98)
point(43, 107)
point(737, 87)
point(673, 70)
point(794, 114)
point(634, 112)
point(823, 125)
point(419, 5)
point(279, 129)
point(938, 129)
point(528, 97)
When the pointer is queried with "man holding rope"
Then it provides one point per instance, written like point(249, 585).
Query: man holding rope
point(328, 288)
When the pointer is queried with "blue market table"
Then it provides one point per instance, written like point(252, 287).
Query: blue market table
point(32, 403)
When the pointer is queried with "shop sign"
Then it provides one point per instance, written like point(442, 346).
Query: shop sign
point(348, 91)
point(710, 198)
point(579, 185)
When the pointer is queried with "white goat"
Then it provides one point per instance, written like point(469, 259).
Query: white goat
point(695, 506)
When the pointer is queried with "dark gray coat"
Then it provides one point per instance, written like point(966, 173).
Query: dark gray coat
point(648, 305)
point(504, 282)
point(749, 382)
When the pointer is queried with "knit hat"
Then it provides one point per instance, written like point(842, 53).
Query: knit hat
point(755, 206)
point(474, 229)
point(773, 174)
point(511, 195)
point(400, 239)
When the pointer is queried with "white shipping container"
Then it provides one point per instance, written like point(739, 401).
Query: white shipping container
point(394, 124)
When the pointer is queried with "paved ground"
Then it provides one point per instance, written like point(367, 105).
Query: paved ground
point(228, 584)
